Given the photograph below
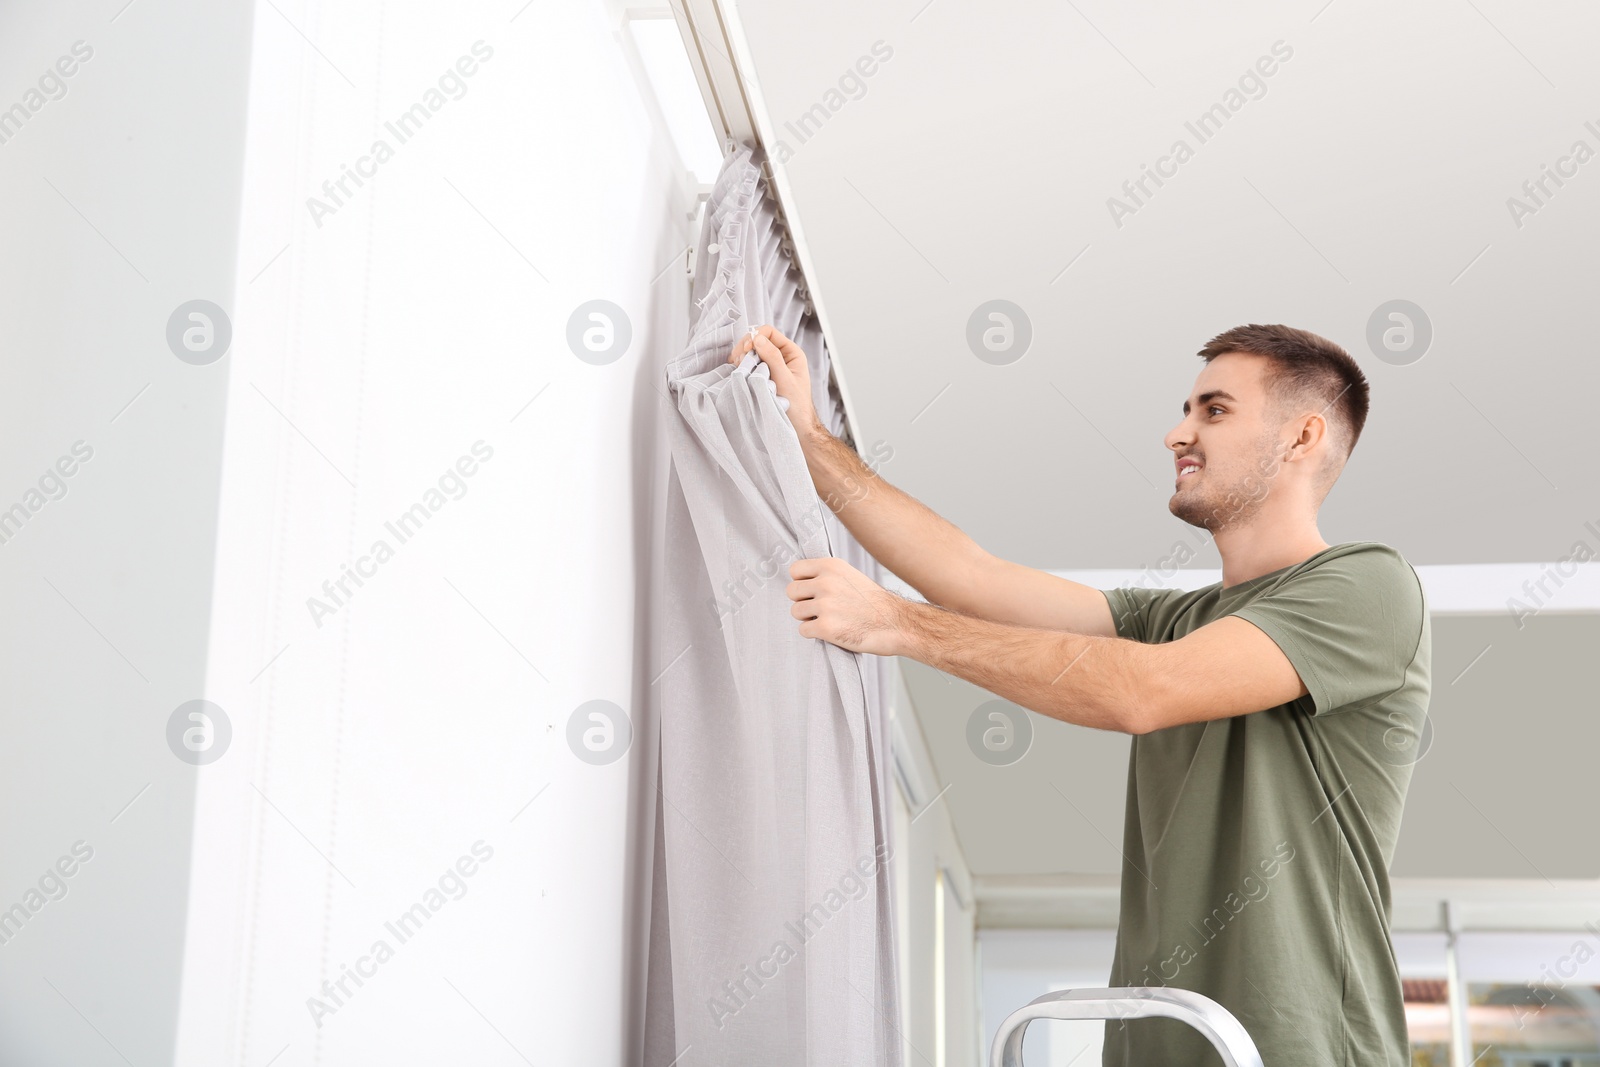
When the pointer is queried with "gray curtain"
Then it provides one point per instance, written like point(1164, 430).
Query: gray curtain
point(771, 934)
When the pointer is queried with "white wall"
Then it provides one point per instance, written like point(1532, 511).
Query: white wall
point(119, 193)
point(926, 845)
point(423, 319)
point(1021, 965)
point(427, 312)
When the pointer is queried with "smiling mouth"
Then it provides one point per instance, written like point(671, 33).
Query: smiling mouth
point(1188, 472)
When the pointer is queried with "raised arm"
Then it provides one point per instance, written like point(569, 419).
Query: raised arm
point(1227, 667)
point(930, 554)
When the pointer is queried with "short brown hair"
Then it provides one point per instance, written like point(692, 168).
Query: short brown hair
point(1305, 369)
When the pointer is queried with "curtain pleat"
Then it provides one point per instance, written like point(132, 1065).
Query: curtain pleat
point(771, 923)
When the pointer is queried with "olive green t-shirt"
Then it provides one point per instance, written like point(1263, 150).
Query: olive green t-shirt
point(1257, 848)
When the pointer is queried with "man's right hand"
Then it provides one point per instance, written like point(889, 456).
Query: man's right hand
point(786, 363)
point(909, 539)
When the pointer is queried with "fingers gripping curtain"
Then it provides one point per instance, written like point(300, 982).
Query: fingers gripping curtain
point(770, 924)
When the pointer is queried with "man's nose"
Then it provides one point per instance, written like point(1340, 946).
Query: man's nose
point(1179, 436)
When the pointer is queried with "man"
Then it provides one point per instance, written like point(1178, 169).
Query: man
point(1274, 715)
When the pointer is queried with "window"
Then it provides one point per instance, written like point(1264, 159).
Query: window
point(1530, 1026)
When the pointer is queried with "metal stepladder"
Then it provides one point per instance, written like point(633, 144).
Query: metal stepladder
point(1226, 1034)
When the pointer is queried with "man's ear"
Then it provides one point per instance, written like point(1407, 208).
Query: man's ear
point(1311, 430)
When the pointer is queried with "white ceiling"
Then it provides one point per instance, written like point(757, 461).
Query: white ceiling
point(976, 163)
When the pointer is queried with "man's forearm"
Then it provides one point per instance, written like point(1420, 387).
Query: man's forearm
point(1102, 682)
point(931, 554)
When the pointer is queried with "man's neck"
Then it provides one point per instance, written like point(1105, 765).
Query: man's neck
point(1261, 548)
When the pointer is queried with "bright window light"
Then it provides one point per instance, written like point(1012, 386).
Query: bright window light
point(672, 78)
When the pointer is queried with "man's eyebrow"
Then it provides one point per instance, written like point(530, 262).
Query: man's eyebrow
point(1206, 398)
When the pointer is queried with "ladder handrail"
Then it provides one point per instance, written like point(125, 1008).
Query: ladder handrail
point(1226, 1034)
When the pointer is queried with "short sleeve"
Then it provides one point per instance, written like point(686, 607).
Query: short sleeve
point(1351, 625)
point(1132, 608)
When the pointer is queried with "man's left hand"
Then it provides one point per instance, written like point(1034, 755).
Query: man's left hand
point(839, 604)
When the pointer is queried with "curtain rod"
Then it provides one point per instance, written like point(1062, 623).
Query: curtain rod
point(715, 45)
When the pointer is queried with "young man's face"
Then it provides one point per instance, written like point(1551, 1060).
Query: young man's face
point(1225, 429)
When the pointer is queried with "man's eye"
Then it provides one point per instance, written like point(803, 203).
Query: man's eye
point(1213, 408)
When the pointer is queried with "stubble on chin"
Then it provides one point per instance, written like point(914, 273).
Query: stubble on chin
point(1201, 509)
point(1195, 513)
